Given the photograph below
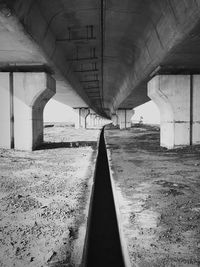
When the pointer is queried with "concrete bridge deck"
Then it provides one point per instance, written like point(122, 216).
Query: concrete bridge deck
point(158, 197)
point(102, 57)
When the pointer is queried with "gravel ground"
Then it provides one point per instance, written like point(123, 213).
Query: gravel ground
point(44, 197)
point(159, 195)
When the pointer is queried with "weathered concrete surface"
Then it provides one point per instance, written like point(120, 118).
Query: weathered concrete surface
point(24, 96)
point(114, 119)
point(105, 51)
point(158, 196)
point(124, 118)
point(196, 110)
point(5, 119)
point(44, 201)
point(81, 116)
point(176, 97)
point(171, 93)
point(31, 93)
point(20, 52)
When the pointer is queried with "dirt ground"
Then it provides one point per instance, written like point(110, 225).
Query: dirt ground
point(44, 197)
point(159, 195)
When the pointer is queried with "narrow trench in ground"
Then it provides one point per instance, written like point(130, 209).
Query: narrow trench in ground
point(103, 245)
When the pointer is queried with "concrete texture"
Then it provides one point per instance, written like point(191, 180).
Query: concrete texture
point(5, 112)
point(171, 93)
point(176, 97)
point(103, 246)
point(102, 55)
point(196, 110)
point(104, 51)
point(114, 119)
point(24, 96)
point(157, 196)
point(82, 114)
point(124, 118)
point(91, 120)
point(31, 93)
point(19, 51)
point(86, 119)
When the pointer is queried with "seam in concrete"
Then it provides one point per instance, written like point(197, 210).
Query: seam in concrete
point(124, 247)
point(11, 85)
point(191, 108)
point(125, 119)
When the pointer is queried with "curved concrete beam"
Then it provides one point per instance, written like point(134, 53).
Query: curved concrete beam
point(107, 53)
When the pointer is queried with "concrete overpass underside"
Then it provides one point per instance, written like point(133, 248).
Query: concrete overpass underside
point(103, 54)
point(103, 58)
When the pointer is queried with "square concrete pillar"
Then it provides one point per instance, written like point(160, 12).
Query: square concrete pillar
point(23, 96)
point(6, 112)
point(31, 93)
point(196, 109)
point(90, 120)
point(171, 93)
point(124, 118)
point(114, 119)
point(77, 118)
point(82, 114)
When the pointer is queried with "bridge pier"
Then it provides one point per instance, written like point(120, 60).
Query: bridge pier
point(81, 117)
point(114, 119)
point(23, 96)
point(177, 97)
point(90, 120)
point(124, 118)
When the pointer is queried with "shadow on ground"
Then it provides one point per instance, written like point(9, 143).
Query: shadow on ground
point(53, 145)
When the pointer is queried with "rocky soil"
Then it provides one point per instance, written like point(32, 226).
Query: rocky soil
point(44, 198)
point(159, 195)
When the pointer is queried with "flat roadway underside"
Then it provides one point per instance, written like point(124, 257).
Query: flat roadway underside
point(158, 192)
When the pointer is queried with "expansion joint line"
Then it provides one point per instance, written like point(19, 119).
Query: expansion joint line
point(191, 108)
point(11, 84)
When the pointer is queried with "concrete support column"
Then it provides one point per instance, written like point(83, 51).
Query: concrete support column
point(98, 120)
point(6, 111)
point(114, 119)
point(81, 117)
point(95, 120)
point(195, 111)
point(25, 95)
point(92, 119)
point(177, 97)
point(124, 118)
point(89, 121)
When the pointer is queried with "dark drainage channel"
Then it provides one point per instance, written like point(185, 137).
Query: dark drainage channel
point(103, 248)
